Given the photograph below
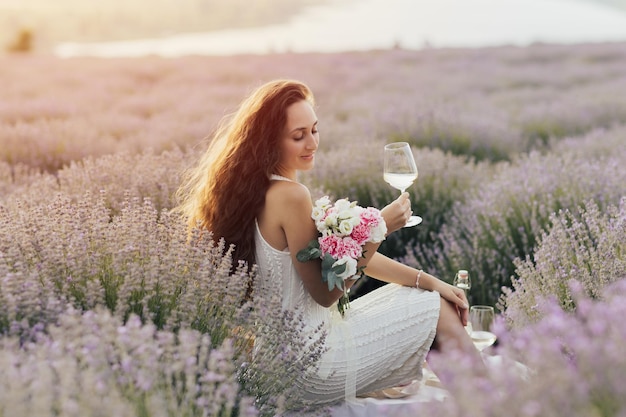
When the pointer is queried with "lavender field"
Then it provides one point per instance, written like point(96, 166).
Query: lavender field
point(107, 309)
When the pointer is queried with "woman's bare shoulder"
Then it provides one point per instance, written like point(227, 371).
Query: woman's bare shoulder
point(288, 193)
point(287, 207)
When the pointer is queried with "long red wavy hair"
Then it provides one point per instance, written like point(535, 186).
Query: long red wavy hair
point(225, 192)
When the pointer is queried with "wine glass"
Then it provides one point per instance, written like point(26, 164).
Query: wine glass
point(481, 318)
point(400, 171)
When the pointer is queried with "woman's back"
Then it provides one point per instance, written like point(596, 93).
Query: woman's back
point(277, 276)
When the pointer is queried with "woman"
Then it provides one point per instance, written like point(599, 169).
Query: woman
point(245, 190)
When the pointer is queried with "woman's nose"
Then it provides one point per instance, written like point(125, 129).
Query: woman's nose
point(312, 142)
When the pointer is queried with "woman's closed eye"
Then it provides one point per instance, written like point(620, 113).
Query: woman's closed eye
point(314, 131)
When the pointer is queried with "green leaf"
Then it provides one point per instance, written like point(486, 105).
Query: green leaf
point(312, 251)
point(331, 280)
point(304, 255)
point(340, 269)
point(343, 304)
point(327, 262)
point(330, 273)
point(334, 281)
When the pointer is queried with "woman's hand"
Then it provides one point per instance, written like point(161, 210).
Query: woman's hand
point(457, 297)
point(397, 213)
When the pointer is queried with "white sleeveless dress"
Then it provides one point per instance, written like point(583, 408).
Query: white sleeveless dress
point(381, 342)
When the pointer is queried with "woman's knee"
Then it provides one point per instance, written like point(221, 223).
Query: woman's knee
point(450, 330)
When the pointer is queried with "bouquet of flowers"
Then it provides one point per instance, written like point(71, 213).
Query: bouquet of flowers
point(344, 228)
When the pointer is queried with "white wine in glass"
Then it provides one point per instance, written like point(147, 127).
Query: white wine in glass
point(400, 171)
point(481, 318)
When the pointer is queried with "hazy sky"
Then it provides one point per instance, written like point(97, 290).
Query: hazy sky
point(367, 24)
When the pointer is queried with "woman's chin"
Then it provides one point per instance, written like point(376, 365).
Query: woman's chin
point(307, 165)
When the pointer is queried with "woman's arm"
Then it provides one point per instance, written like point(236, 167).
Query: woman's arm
point(291, 204)
point(292, 207)
point(388, 270)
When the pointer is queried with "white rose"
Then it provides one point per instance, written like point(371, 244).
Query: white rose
point(356, 215)
point(351, 215)
point(342, 205)
point(321, 227)
point(323, 202)
point(345, 227)
point(331, 220)
point(318, 213)
point(378, 233)
point(350, 267)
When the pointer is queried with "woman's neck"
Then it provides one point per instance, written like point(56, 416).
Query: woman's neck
point(281, 177)
point(291, 176)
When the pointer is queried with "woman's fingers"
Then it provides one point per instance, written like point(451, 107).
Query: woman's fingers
point(463, 306)
point(397, 213)
point(405, 206)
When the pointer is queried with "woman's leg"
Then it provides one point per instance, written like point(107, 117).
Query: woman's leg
point(451, 335)
point(450, 331)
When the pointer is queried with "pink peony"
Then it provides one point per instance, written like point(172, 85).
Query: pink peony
point(371, 217)
point(361, 233)
point(329, 244)
point(350, 247)
point(339, 247)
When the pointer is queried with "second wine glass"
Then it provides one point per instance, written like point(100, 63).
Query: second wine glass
point(481, 318)
point(401, 171)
